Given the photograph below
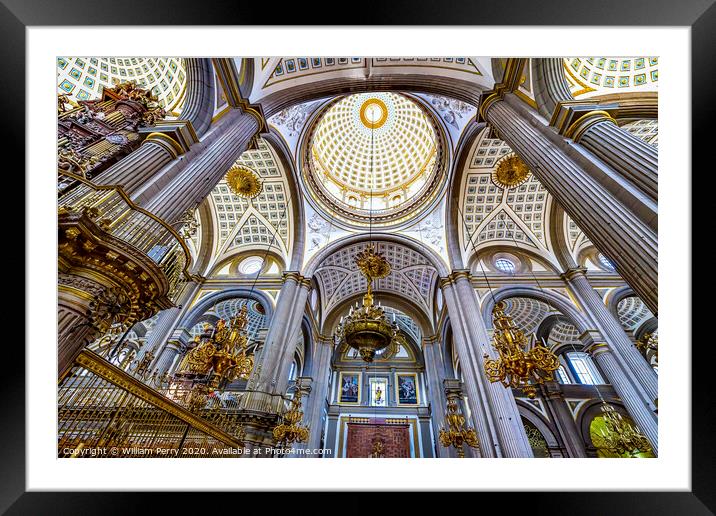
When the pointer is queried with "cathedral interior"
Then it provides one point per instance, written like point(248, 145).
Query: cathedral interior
point(319, 257)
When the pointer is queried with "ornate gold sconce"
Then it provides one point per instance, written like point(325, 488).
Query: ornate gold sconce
point(522, 363)
point(457, 434)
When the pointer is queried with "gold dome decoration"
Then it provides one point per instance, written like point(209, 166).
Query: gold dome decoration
point(243, 182)
point(510, 172)
point(373, 113)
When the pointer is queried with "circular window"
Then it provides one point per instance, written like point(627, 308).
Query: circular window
point(373, 158)
point(505, 265)
point(251, 265)
point(604, 261)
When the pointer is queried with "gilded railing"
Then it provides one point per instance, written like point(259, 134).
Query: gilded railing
point(121, 218)
point(105, 412)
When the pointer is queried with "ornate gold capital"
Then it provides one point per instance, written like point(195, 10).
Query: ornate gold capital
point(578, 128)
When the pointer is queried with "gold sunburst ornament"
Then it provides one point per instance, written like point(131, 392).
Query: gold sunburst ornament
point(243, 182)
point(510, 172)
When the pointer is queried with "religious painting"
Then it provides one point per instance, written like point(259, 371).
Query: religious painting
point(378, 392)
point(407, 389)
point(349, 388)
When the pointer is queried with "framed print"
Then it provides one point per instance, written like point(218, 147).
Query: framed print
point(378, 392)
point(241, 213)
point(349, 388)
point(406, 388)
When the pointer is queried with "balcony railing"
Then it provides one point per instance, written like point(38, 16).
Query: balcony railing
point(104, 411)
point(121, 218)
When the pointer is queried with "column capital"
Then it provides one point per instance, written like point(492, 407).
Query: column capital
point(296, 276)
point(454, 276)
point(326, 340)
point(175, 136)
point(511, 80)
point(572, 118)
point(432, 339)
point(180, 336)
point(573, 272)
point(552, 390)
point(453, 388)
point(594, 342)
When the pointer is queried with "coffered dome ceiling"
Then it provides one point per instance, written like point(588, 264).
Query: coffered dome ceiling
point(373, 155)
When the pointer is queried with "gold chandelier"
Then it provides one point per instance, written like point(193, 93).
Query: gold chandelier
point(522, 362)
point(367, 328)
point(457, 433)
point(620, 436)
point(290, 430)
point(220, 357)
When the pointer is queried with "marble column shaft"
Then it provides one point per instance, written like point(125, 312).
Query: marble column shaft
point(632, 157)
point(167, 357)
point(320, 373)
point(564, 420)
point(497, 420)
point(285, 323)
point(435, 374)
point(624, 349)
point(645, 419)
point(138, 167)
point(189, 179)
point(168, 321)
point(610, 214)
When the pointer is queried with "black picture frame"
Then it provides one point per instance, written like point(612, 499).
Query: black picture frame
point(700, 15)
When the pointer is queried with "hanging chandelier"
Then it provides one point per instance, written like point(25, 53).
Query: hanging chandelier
point(457, 433)
point(367, 328)
point(621, 437)
point(290, 430)
point(221, 356)
point(522, 362)
point(243, 182)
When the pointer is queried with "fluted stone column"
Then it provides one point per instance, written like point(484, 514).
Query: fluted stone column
point(497, 420)
point(590, 300)
point(645, 418)
point(74, 331)
point(619, 220)
point(189, 180)
point(550, 84)
point(637, 161)
point(435, 375)
point(174, 347)
point(140, 166)
point(563, 419)
point(167, 322)
point(320, 374)
point(271, 374)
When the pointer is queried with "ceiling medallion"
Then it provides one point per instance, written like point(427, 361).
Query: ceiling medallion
point(373, 113)
point(510, 172)
point(243, 182)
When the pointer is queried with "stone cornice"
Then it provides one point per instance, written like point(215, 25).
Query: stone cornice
point(296, 276)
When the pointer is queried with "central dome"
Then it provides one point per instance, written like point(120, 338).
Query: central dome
point(373, 154)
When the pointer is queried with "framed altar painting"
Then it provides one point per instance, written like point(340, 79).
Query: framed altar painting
point(406, 387)
point(349, 388)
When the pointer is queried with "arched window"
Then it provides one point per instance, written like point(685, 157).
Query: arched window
point(505, 265)
point(582, 368)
